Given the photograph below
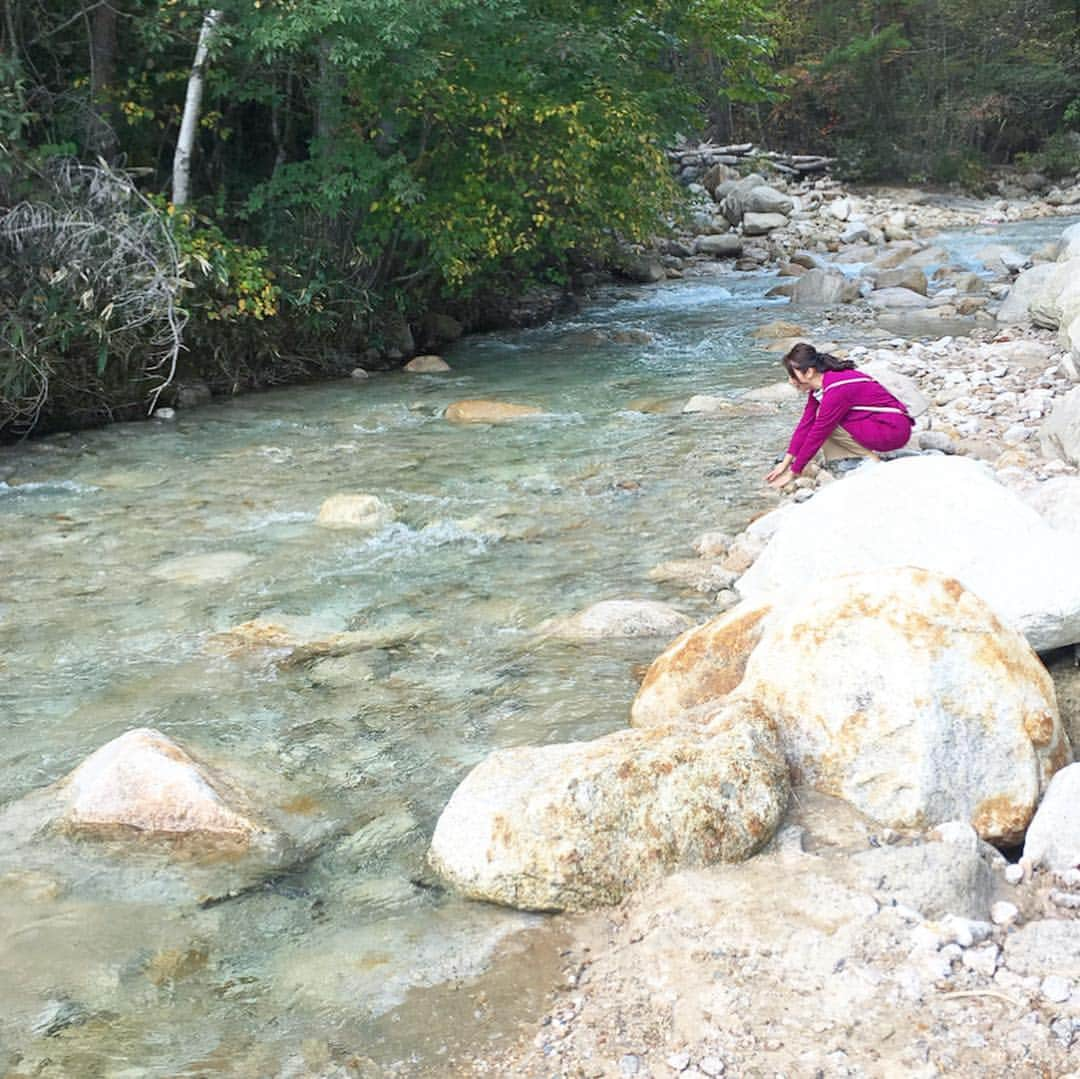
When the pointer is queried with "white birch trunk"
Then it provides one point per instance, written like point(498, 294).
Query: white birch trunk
point(189, 124)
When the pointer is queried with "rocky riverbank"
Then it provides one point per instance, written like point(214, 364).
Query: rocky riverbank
point(873, 935)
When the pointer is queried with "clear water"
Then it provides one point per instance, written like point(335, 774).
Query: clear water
point(111, 966)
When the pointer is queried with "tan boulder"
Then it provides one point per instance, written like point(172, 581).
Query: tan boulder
point(144, 782)
point(700, 574)
point(364, 513)
point(705, 664)
point(903, 693)
point(569, 827)
point(427, 365)
point(305, 639)
point(477, 411)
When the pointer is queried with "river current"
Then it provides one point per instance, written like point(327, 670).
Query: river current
point(110, 966)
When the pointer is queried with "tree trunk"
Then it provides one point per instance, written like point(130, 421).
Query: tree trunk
point(189, 124)
point(102, 135)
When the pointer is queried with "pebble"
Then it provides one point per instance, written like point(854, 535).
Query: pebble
point(629, 1065)
point(1004, 913)
point(679, 1062)
point(711, 1066)
point(1055, 988)
point(164, 413)
point(1014, 874)
point(982, 960)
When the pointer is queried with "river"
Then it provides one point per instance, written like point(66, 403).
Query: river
point(110, 967)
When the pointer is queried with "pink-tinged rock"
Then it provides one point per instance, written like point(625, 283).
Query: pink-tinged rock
point(144, 782)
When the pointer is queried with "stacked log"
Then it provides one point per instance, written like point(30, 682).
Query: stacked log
point(691, 162)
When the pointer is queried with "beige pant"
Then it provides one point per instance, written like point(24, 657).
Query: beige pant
point(840, 444)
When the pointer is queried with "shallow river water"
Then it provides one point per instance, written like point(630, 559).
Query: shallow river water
point(111, 965)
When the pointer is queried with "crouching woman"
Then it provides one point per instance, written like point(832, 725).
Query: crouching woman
point(847, 414)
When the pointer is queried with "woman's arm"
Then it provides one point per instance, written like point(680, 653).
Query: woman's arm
point(834, 406)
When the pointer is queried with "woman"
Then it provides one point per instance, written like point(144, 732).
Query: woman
point(847, 414)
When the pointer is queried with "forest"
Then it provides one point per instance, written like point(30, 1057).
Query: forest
point(271, 191)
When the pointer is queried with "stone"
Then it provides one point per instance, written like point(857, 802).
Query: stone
point(764, 199)
point(1004, 913)
point(724, 245)
point(202, 568)
point(1053, 837)
point(855, 232)
point(823, 287)
point(1016, 306)
point(779, 328)
point(732, 204)
point(935, 879)
point(757, 224)
point(705, 664)
point(697, 573)
point(478, 411)
point(840, 209)
point(619, 618)
point(1044, 945)
point(362, 513)
point(932, 710)
point(427, 365)
point(1055, 988)
point(581, 825)
point(907, 277)
point(1059, 434)
point(144, 783)
point(945, 514)
point(896, 297)
point(1057, 301)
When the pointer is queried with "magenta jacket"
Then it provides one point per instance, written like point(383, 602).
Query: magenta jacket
point(858, 403)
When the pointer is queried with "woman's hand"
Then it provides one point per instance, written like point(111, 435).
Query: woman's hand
point(780, 476)
point(778, 470)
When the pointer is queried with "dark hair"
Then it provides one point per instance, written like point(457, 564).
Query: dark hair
point(803, 356)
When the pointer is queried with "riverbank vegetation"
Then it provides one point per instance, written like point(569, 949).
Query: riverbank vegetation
point(266, 191)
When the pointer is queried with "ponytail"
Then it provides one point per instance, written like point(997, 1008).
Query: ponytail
point(803, 356)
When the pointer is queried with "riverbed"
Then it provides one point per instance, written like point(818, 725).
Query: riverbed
point(112, 966)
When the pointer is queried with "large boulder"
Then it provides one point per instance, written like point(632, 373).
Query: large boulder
point(758, 224)
point(1059, 435)
point(722, 245)
point(1016, 306)
point(732, 206)
point(908, 277)
point(902, 692)
point(824, 287)
point(1053, 839)
point(946, 514)
point(144, 783)
point(478, 411)
point(1070, 243)
point(1057, 302)
point(619, 618)
point(899, 385)
point(764, 199)
point(569, 827)
point(1058, 502)
point(897, 297)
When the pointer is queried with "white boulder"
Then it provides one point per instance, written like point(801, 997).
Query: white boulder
point(1059, 435)
point(946, 514)
point(1053, 838)
point(901, 692)
point(568, 827)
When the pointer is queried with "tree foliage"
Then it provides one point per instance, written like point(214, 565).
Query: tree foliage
point(927, 88)
point(359, 156)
